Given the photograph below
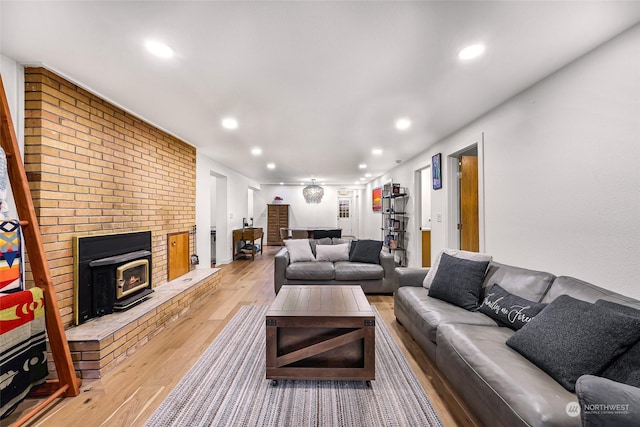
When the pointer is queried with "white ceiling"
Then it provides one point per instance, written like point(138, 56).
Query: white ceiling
point(316, 85)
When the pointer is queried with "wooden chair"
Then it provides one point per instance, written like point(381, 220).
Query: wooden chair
point(284, 235)
point(299, 234)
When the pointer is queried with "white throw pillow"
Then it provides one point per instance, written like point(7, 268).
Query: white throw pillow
point(332, 253)
point(299, 250)
point(471, 256)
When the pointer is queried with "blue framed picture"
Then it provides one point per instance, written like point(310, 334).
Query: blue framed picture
point(436, 171)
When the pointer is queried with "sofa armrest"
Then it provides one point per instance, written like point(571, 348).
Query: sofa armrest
point(411, 276)
point(388, 264)
point(281, 261)
point(606, 402)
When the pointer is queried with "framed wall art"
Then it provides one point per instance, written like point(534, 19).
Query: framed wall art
point(376, 199)
point(436, 171)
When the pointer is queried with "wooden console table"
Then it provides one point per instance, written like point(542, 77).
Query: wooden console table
point(246, 235)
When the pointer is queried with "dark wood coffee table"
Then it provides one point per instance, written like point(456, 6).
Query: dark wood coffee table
point(320, 332)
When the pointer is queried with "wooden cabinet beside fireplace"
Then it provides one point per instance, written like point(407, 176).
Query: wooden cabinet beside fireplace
point(277, 217)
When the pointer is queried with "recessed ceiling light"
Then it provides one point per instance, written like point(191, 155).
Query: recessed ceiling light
point(367, 175)
point(357, 182)
point(302, 183)
point(362, 178)
point(159, 49)
point(271, 165)
point(282, 183)
point(229, 123)
point(362, 166)
point(403, 123)
point(471, 52)
point(376, 151)
point(256, 151)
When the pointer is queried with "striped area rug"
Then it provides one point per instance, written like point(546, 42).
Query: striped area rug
point(227, 387)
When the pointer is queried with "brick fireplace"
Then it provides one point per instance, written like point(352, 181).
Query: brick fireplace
point(95, 169)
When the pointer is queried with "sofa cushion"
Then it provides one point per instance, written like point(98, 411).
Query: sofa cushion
point(607, 403)
point(570, 338)
point(525, 283)
point(346, 270)
point(332, 253)
point(322, 270)
point(473, 256)
point(585, 291)
point(459, 281)
point(429, 313)
point(624, 369)
point(367, 251)
point(508, 309)
point(299, 250)
point(500, 386)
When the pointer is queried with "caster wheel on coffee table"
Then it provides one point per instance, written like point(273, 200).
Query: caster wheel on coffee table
point(368, 383)
point(274, 383)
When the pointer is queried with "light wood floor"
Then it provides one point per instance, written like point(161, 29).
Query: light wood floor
point(128, 395)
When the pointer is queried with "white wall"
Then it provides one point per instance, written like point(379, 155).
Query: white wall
point(301, 213)
point(13, 82)
point(562, 175)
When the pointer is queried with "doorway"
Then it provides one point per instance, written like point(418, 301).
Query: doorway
point(466, 198)
point(423, 181)
point(345, 212)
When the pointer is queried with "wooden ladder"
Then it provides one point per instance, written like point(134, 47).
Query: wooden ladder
point(67, 383)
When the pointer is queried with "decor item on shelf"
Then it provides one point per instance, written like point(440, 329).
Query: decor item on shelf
point(278, 200)
point(436, 171)
point(313, 193)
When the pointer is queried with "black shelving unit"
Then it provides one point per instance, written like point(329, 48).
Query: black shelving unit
point(394, 221)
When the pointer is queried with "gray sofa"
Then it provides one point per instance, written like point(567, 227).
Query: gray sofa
point(373, 278)
point(499, 385)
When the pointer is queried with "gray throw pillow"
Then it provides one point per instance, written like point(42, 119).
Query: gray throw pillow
point(570, 338)
point(367, 251)
point(508, 309)
point(607, 403)
point(459, 281)
point(625, 368)
point(299, 250)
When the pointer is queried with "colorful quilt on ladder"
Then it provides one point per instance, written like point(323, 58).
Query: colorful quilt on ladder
point(23, 350)
point(10, 257)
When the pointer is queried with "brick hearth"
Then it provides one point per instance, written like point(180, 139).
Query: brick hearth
point(103, 343)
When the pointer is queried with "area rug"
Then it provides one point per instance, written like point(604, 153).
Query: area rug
point(227, 387)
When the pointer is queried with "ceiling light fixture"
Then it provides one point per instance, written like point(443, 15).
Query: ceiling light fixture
point(313, 193)
point(471, 52)
point(229, 123)
point(403, 124)
point(271, 165)
point(159, 49)
point(376, 151)
point(362, 166)
point(256, 151)
point(367, 175)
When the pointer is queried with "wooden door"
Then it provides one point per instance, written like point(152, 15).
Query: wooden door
point(469, 223)
point(178, 254)
point(426, 248)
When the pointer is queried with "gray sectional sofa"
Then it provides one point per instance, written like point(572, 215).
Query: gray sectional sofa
point(498, 384)
point(375, 277)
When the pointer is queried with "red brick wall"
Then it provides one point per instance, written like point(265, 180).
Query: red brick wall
point(96, 169)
